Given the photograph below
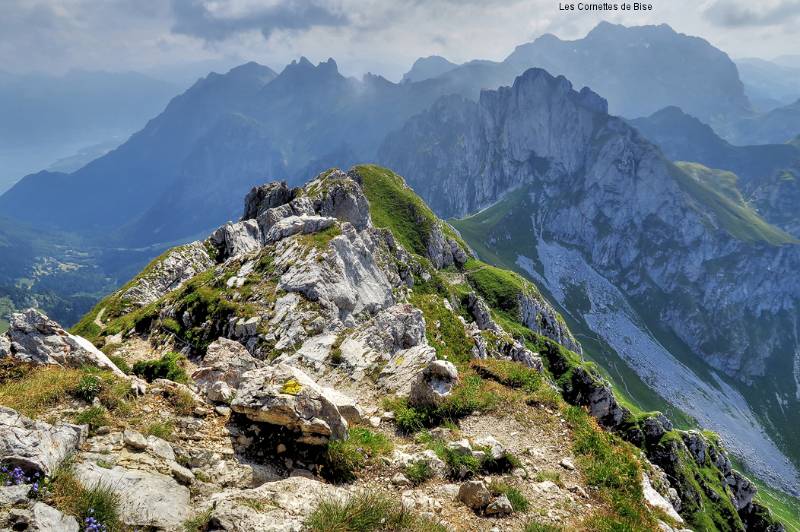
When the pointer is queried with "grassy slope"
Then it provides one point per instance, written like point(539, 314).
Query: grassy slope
point(716, 190)
point(717, 187)
point(513, 212)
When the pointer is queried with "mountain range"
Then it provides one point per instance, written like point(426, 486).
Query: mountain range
point(658, 261)
point(664, 267)
point(230, 130)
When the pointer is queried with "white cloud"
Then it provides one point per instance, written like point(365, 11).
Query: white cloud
point(382, 36)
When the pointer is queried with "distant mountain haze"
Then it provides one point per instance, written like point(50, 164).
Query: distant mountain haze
point(46, 117)
point(230, 131)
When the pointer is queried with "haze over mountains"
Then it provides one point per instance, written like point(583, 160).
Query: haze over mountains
point(588, 195)
point(49, 117)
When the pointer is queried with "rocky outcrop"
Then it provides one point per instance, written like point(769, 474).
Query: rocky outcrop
point(168, 273)
point(539, 316)
point(33, 337)
point(286, 396)
point(36, 446)
point(265, 197)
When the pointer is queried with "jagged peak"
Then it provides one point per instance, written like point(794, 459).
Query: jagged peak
point(538, 77)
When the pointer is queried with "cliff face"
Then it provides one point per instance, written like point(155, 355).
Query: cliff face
point(688, 256)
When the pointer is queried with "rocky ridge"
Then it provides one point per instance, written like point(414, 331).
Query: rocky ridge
point(343, 340)
point(691, 257)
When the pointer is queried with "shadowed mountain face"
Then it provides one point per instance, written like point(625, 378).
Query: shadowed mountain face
point(187, 168)
point(769, 84)
point(633, 246)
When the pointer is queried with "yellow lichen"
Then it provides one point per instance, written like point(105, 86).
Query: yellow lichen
point(292, 387)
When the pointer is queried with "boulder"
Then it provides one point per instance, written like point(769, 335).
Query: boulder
point(286, 396)
point(500, 506)
point(147, 499)
point(36, 446)
point(222, 368)
point(40, 518)
point(474, 494)
point(33, 337)
point(233, 239)
point(433, 384)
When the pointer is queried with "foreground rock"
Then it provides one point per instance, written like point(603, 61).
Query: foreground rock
point(286, 396)
point(434, 384)
point(35, 338)
point(146, 499)
point(221, 372)
point(275, 506)
point(36, 446)
point(39, 518)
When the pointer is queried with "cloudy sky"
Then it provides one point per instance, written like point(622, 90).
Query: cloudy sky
point(381, 36)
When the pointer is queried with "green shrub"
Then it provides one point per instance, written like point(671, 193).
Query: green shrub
point(160, 429)
point(515, 497)
point(367, 512)
point(168, 367)
point(419, 472)
point(345, 457)
point(88, 388)
point(199, 522)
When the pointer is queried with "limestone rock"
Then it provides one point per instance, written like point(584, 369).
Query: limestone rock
point(341, 198)
point(481, 313)
point(169, 273)
point(500, 506)
point(656, 500)
point(222, 368)
point(297, 225)
point(474, 494)
point(35, 338)
point(146, 499)
point(36, 446)
point(40, 518)
point(286, 503)
point(286, 396)
point(433, 384)
point(264, 197)
point(134, 439)
point(234, 239)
